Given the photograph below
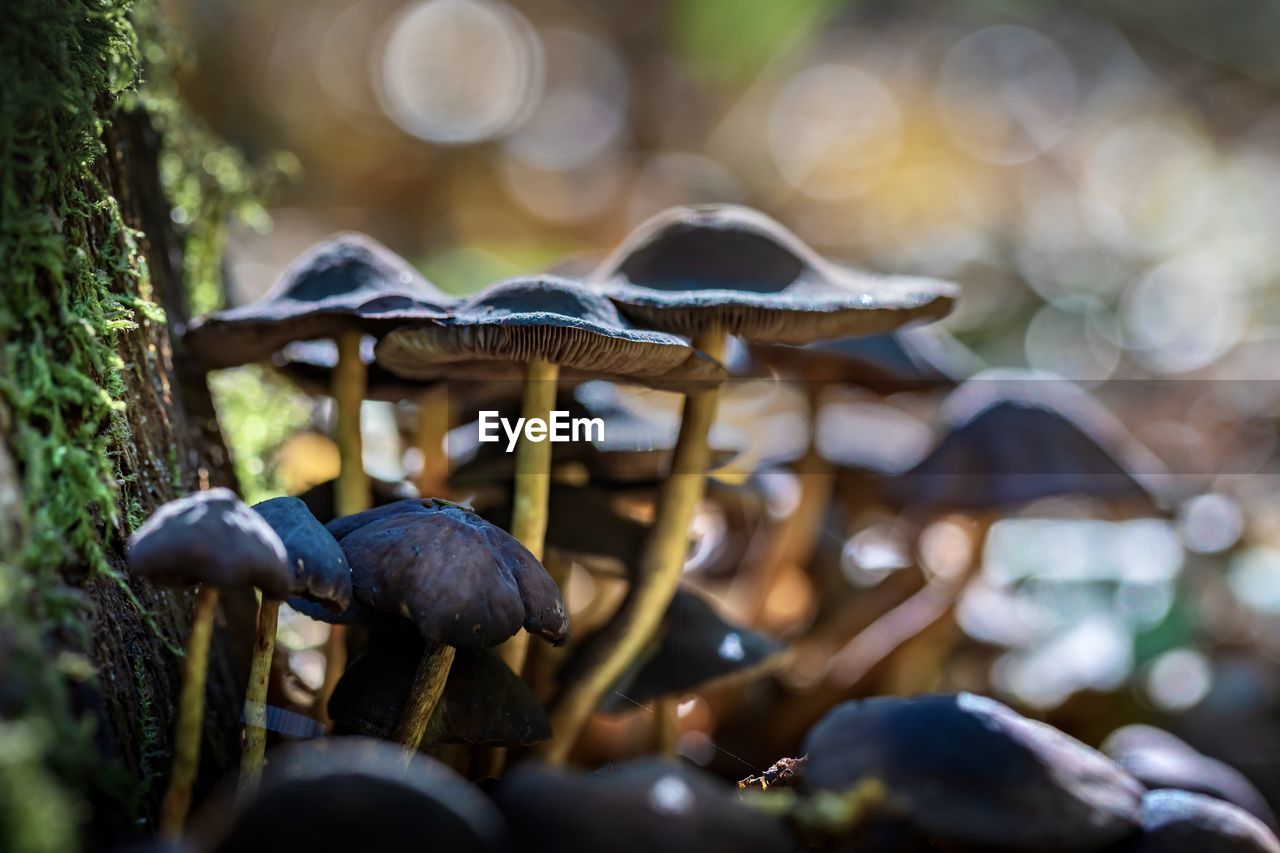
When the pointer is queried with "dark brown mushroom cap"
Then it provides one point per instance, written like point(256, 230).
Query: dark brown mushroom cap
point(633, 807)
point(458, 578)
point(343, 283)
point(310, 365)
point(968, 770)
point(1017, 436)
point(521, 320)
point(1159, 759)
point(320, 497)
point(689, 269)
point(320, 571)
point(911, 359)
point(352, 793)
point(484, 703)
point(1183, 822)
point(695, 649)
point(210, 537)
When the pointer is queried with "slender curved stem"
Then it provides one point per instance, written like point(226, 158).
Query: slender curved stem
point(428, 686)
point(666, 727)
point(186, 741)
point(255, 697)
point(607, 655)
point(429, 433)
point(532, 485)
point(351, 492)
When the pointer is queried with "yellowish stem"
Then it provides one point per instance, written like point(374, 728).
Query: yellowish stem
point(533, 484)
point(351, 492)
point(429, 435)
point(428, 686)
point(666, 727)
point(255, 697)
point(186, 747)
point(607, 655)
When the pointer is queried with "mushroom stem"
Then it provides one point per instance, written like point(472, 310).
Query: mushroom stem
point(533, 483)
point(430, 430)
point(666, 727)
point(351, 492)
point(186, 739)
point(255, 697)
point(606, 656)
point(424, 695)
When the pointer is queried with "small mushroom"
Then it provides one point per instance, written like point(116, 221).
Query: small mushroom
point(708, 272)
point(339, 795)
point(483, 704)
point(695, 650)
point(967, 770)
point(459, 579)
point(320, 575)
point(633, 807)
point(211, 539)
point(1159, 759)
point(1183, 822)
point(540, 325)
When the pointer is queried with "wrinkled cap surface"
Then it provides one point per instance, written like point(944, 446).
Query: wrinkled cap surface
point(346, 282)
point(696, 648)
point(641, 806)
point(320, 571)
point(458, 578)
point(522, 320)
point(1159, 759)
point(1183, 822)
point(353, 793)
point(689, 269)
point(910, 359)
point(310, 365)
point(484, 703)
point(210, 537)
point(969, 770)
point(1017, 436)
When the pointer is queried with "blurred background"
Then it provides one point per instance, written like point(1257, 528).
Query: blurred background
point(1103, 179)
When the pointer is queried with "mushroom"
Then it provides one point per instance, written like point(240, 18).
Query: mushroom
point(540, 325)
point(1180, 821)
point(320, 575)
point(709, 272)
point(214, 540)
point(633, 807)
point(354, 793)
point(1159, 759)
point(695, 650)
point(341, 289)
point(459, 579)
point(483, 704)
point(967, 770)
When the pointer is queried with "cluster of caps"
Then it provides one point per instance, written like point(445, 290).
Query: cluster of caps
point(957, 772)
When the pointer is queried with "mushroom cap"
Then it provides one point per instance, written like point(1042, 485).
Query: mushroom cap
point(320, 571)
point(519, 320)
point(1181, 822)
point(310, 365)
point(345, 282)
point(695, 649)
point(909, 359)
point(1159, 759)
point(643, 805)
point(458, 578)
point(354, 793)
point(1017, 436)
point(689, 269)
point(210, 537)
point(320, 497)
point(969, 770)
point(484, 703)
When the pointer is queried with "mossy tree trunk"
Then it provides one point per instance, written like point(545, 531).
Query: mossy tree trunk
point(101, 419)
